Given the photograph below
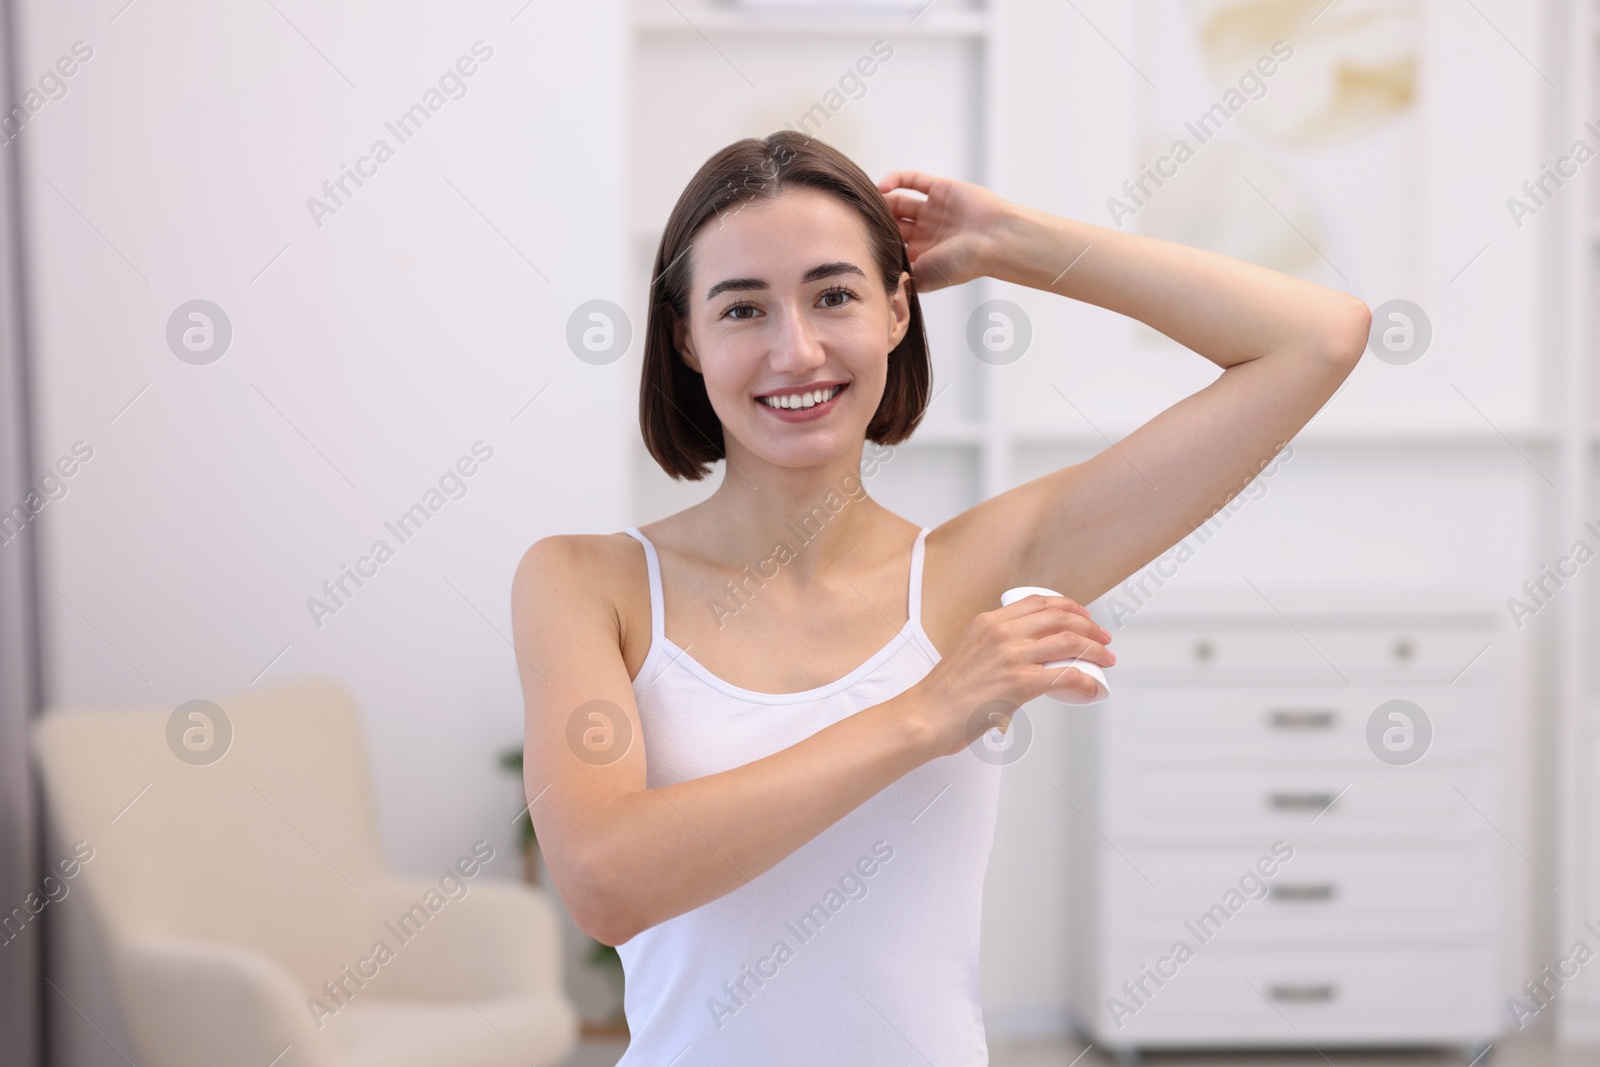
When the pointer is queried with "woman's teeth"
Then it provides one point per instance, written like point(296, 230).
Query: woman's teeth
point(802, 400)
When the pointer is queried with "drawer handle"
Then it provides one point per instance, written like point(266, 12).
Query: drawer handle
point(1303, 994)
point(1301, 718)
point(1300, 801)
point(1323, 891)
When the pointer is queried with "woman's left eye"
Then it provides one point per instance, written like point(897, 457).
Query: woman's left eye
point(837, 290)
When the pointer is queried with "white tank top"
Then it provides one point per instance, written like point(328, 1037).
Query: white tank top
point(860, 947)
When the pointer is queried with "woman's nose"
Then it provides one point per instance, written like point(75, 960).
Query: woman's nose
point(797, 346)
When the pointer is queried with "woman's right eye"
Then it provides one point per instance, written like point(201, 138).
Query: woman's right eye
point(738, 307)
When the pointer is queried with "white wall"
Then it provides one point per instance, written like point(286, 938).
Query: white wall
point(373, 352)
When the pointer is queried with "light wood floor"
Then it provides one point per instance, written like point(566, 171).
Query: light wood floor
point(1517, 1050)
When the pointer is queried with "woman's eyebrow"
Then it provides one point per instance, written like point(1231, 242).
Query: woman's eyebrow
point(817, 273)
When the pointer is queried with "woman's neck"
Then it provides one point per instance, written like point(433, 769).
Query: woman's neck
point(823, 515)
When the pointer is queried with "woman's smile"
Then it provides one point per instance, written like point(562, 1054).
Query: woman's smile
point(802, 407)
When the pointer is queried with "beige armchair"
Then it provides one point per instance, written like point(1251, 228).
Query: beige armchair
point(248, 912)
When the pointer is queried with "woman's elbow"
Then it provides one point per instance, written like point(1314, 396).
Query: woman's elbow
point(1345, 339)
point(593, 906)
point(607, 924)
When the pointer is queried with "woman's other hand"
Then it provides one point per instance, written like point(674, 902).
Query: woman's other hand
point(950, 236)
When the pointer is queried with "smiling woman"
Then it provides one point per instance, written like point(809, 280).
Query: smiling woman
point(839, 705)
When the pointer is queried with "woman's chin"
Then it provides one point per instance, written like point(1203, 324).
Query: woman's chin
point(820, 449)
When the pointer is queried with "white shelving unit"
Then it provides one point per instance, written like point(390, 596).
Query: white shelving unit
point(1231, 795)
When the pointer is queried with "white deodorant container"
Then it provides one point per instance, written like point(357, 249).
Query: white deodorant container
point(1093, 670)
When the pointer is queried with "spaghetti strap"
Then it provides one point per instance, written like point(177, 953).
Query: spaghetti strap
point(914, 599)
point(658, 624)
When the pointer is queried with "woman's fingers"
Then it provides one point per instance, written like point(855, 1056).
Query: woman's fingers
point(1076, 646)
point(1037, 602)
point(907, 179)
point(928, 264)
point(1076, 640)
point(1074, 635)
point(1076, 680)
point(908, 229)
point(905, 206)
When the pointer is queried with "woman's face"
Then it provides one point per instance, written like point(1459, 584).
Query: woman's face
point(786, 299)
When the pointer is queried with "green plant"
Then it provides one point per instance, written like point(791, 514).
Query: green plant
point(511, 760)
point(604, 955)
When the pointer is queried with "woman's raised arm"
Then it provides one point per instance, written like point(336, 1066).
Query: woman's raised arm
point(1285, 345)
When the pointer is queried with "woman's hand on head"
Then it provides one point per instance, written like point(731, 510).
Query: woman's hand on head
point(950, 236)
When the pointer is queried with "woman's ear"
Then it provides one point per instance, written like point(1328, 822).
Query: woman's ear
point(680, 341)
point(900, 309)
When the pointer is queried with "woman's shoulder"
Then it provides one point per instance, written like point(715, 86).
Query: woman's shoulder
point(598, 561)
point(583, 573)
point(614, 560)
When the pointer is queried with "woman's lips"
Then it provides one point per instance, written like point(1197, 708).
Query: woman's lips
point(816, 411)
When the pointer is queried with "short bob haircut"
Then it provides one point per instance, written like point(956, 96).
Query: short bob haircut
point(680, 428)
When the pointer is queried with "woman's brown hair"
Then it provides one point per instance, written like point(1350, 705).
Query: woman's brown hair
point(680, 428)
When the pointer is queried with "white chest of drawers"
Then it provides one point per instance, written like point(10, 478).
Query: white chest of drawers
point(1255, 862)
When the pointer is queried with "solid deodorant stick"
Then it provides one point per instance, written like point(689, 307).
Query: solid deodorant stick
point(1092, 670)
